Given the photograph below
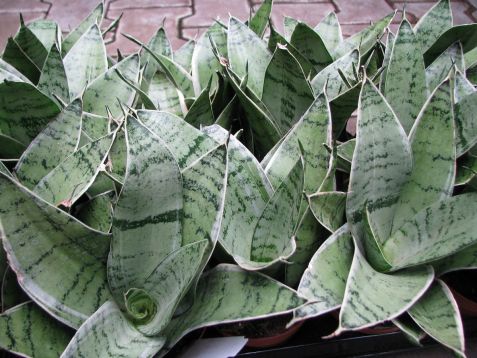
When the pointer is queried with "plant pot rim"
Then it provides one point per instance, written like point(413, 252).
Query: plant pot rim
point(271, 341)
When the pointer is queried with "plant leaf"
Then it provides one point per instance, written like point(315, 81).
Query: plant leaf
point(159, 43)
point(310, 44)
point(433, 154)
point(183, 56)
point(463, 259)
point(53, 79)
point(30, 332)
point(54, 144)
point(14, 56)
point(75, 289)
point(31, 46)
point(465, 125)
point(259, 21)
point(289, 24)
point(95, 17)
point(7, 68)
point(108, 90)
point(98, 212)
point(433, 23)
point(246, 50)
point(372, 297)
point(345, 150)
point(201, 113)
point(164, 94)
point(94, 126)
point(405, 77)
point(72, 177)
point(387, 57)
point(324, 281)
point(343, 106)
point(381, 164)
point(410, 329)
point(286, 92)
point(328, 208)
point(10, 148)
point(434, 232)
point(438, 315)
point(85, 61)
point(462, 86)
point(46, 31)
point(107, 333)
point(437, 71)
point(24, 111)
point(312, 131)
point(329, 30)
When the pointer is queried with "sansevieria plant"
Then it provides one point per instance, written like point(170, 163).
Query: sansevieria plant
point(149, 195)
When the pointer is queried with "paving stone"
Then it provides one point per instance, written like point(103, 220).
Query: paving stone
point(208, 10)
point(143, 23)
point(309, 13)
point(70, 13)
point(138, 4)
point(361, 11)
point(10, 22)
point(459, 10)
point(23, 6)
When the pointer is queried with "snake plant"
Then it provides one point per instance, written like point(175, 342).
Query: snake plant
point(149, 195)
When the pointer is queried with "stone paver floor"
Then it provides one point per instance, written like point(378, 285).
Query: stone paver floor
point(185, 19)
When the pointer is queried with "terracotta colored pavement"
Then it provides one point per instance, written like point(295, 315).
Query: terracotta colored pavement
point(185, 19)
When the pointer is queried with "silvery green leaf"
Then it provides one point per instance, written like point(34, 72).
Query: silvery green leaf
point(329, 30)
point(159, 43)
point(30, 45)
point(258, 23)
point(247, 50)
point(14, 56)
point(286, 92)
point(53, 79)
point(98, 212)
point(324, 281)
point(433, 157)
point(183, 56)
point(108, 90)
point(381, 164)
point(7, 68)
point(406, 77)
point(343, 106)
point(328, 208)
point(289, 24)
point(94, 126)
point(118, 157)
point(148, 214)
point(85, 61)
point(387, 57)
point(200, 112)
point(164, 94)
point(463, 259)
point(345, 150)
point(29, 332)
point(433, 23)
point(465, 124)
point(438, 70)
point(55, 143)
point(47, 31)
point(70, 179)
point(438, 315)
point(108, 333)
point(95, 17)
point(410, 329)
point(72, 291)
point(462, 86)
point(313, 130)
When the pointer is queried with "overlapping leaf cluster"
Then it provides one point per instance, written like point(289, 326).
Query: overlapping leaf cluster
point(147, 196)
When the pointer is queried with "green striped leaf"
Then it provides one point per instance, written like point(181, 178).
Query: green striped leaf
point(410, 329)
point(273, 239)
point(147, 217)
point(433, 23)
point(372, 297)
point(29, 332)
point(30, 45)
point(10, 148)
point(108, 333)
point(98, 212)
point(94, 126)
point(289, 24)
point(54, 144)
point(463, 259)
point(310, 44)
point(405, 77)
point(14, 56)
point(6, 68)
point(433, 156)
point(102, 184)
point(365, 39)
point(11, 293)
point(462, 86)
point(329, 30)
point(186, 143)
point(95, 17)
point(228, 294)
point(466, 170)
point(343, 106)
point(439, 230)
point(437, 71)
point(258, 23)
point(328, 208)
point(72, 177)
point(381, 164)
point(108, 90)
point(164, 94)
point(465, 124)
point(345, 150)
point(85, 61)
point(324, 281)
point(159, 43)
point(47, 31)
point(286, 92)
point(329, 79)
point(387, 57)
point(183, 55)
point(24, 111)
point(204, 62)
point(53, 79)
point(200, 112)
point(118, 157)
point(438, 315)
point(37, 237)
point(246, 50)
point(312, 131)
